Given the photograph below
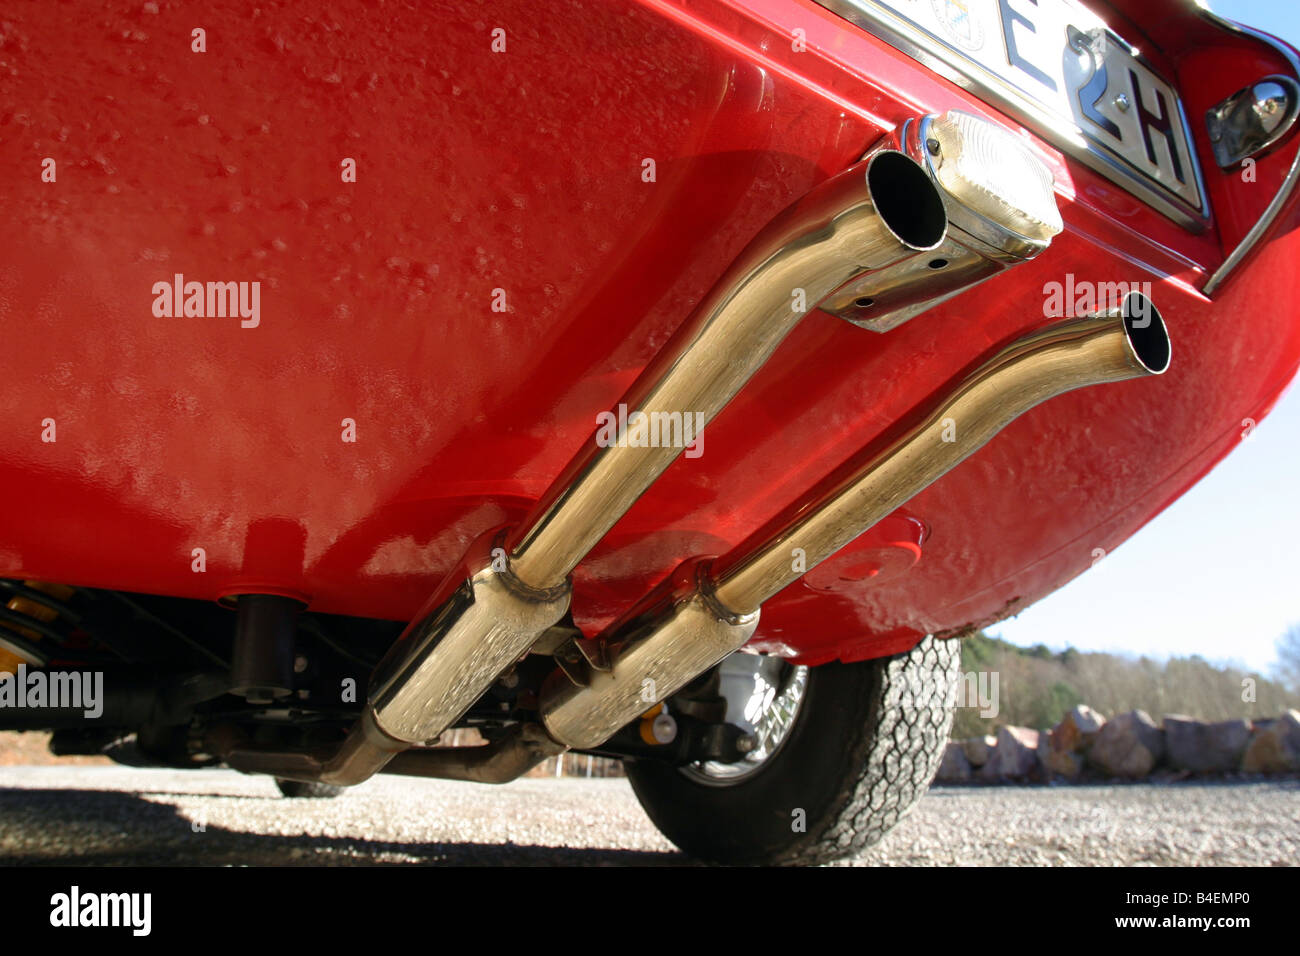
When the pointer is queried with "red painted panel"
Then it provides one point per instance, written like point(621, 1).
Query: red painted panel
point(522, 171)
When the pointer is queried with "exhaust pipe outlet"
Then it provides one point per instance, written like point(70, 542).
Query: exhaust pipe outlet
point(1001, 206)
point(879, 212)
point(663, 648)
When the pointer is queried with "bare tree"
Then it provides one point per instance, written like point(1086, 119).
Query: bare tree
point(1036, 689)
point(1287, 667)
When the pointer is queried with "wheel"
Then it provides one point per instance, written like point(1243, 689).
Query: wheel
point(314, 791)
point(844, 752)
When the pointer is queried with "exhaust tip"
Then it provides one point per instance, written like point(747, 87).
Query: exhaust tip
point(1147, 336)
point(907, 200)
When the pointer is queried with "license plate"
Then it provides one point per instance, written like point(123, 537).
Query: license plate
point(1057, 67)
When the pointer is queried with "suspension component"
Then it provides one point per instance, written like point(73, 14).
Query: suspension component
point(28, 620)
point(262, 668)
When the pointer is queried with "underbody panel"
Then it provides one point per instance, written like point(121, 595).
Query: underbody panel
point(504, 267)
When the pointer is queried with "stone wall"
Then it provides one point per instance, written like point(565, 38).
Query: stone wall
point(1085, 745)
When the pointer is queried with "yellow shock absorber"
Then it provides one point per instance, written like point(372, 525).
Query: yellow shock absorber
point(9, 660)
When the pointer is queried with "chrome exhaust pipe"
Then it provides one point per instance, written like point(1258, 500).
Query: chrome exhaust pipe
point(682, 631)
point(881, 211)
point(519, 749)
point(1001, 205)
point(511, 589)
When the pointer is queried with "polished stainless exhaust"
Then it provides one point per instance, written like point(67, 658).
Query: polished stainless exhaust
point(511, 589)
point(1001, 203)
point(882, 211)
point(518, 750)
point(711, 610)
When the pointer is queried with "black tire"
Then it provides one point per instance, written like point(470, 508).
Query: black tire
point(865, 744)
point(312, 791)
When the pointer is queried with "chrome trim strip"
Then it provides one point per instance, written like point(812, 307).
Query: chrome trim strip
point(1265, 223)
point(903, 36)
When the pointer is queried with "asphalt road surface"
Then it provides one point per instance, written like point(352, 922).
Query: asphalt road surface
point(112, 815)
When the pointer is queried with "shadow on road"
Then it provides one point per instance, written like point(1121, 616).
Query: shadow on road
point(58, 827)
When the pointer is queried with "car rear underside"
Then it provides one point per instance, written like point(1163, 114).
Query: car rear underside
point(644, 378)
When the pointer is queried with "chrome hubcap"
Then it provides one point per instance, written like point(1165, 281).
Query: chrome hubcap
point(763, 697)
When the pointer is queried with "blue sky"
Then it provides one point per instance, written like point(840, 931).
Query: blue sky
point(1220, 568)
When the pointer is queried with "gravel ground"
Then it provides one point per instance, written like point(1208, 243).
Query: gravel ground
point(119, 815)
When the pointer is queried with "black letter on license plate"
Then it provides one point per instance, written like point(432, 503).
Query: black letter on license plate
point(1163, 123)
point(1009, 20)
point(1094, 90)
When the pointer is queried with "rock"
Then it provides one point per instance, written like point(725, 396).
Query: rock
point(1057, 755)
point(1061, 749)
point(991, 772)
point(1205, 748)
point(1088, 720)
point(1274, 745)
point(1077, 729)
point(1017, 752)
point(1128, 746)
point(979, 750)
point(954, 768)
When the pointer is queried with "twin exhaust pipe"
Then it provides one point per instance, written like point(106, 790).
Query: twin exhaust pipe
point(712, 608)
point(513, 585)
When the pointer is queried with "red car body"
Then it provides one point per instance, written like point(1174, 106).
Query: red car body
point(523, 171)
